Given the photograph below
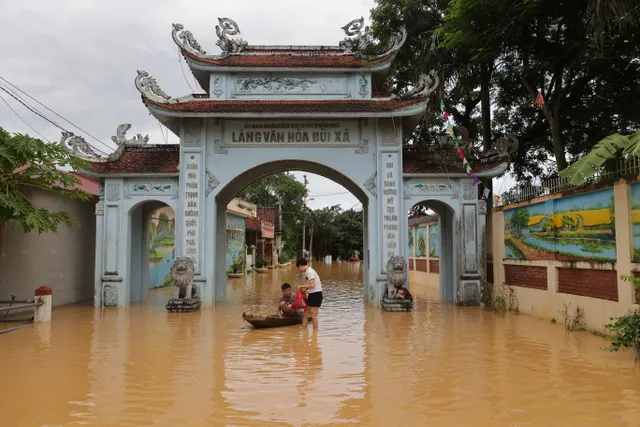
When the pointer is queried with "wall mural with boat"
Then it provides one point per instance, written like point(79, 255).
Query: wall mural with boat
point(162, 227)
point(434, 241)
point(576, 228)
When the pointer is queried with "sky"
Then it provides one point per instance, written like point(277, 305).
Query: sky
point(80, 57)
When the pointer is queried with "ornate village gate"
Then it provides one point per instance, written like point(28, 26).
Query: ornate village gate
point(275, 108)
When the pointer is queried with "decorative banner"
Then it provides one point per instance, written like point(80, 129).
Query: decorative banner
point(465, 163)
point(539, 100)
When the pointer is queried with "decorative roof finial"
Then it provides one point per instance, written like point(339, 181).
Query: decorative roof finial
point(120, 138)
point(361, 41)
point(148, 86)
point(427, 84)
point(228, 27)
point(79, 147)
point(186, 40)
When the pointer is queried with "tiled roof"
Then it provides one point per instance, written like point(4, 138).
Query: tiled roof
point(253, 224)
point(142, 159)
point(270, 215)
point(290, 58)
point(324, 106)
point(438, 160)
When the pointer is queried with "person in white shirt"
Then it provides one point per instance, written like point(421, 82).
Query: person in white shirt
point(313, 286)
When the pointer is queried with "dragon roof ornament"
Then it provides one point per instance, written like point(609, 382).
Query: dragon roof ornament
point(227, 27)
point(427, 84)
point(121, 139)
point(363, 39)
point(148, 86)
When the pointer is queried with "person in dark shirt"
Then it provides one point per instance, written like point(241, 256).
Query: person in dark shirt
point(284, 308)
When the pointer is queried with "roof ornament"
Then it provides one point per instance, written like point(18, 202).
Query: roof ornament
point(427, 84)
point(79, 147)
point(228, 27)
point(362, 40)
point(148, 86)
point(120, 138)
point(186, 40)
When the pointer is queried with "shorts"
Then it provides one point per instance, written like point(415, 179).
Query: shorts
point(314, 299)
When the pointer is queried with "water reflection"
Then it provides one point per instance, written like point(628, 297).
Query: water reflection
point(454, 367)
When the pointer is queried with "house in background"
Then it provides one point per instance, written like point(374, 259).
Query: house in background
point(239, 212)
point(63, 261)
point(264, 232)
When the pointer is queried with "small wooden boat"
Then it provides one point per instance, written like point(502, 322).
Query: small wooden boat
point(270, 321)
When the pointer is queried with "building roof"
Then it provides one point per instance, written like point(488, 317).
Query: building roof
point(271, 216)
point(86, 184)
point(291, 107)
point(445, 160)
point(141, 159)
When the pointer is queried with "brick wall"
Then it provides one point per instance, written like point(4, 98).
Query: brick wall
point(421, 265)
point(412, 265)
point(526, 276)
point(489, 272)
point(434, 266)
point(602, 284)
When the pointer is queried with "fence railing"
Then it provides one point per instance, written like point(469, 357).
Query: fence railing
point(527, 192)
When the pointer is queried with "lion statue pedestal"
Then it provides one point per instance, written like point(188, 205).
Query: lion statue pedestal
point(186, 297)
point(397, 297)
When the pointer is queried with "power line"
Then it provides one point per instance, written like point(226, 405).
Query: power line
point(41, 115)
point(183, 74)
point(333, 194)
point(23, 120)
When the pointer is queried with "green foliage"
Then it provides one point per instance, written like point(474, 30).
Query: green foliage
point(237, 266)
point(625, 331)
point(40, 161)
point(487, 295)
point(494, 57)
point(613, 147)
point(336, 232)
point(635, 281)
point(506, 300)
point(260, 262)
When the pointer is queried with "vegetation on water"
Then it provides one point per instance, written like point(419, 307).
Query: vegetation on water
point(625, 332)
point(573, 322)
point(27, 164)
point(237, 266)
point(260, 261)
point(505, 300)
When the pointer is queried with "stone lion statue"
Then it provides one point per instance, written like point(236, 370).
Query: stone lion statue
point(397, 278)
point(182, 273)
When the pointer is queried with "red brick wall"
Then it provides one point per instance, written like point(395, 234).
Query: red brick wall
point(602, 284)
point(489, 272)
point(526, 276)
point(421, 265)
point(412, 265)
point(434, 266)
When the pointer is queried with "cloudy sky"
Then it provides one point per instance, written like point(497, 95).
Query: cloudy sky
point(80, 57)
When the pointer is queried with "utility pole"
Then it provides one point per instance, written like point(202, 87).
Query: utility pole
point(304, 214)
point(311, 244)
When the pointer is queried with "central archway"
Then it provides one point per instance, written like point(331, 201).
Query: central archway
point(237, 184)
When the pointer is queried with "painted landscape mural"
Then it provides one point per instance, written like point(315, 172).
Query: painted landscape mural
point(580, 227)
point(162, 227)
point(235, 243)
point(434, 241)
point(411, 241)
point(635, 219)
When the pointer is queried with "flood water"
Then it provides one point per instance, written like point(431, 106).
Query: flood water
point(440, 366)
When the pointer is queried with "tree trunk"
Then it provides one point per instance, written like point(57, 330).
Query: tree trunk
point(558, 144)
point(485, 106)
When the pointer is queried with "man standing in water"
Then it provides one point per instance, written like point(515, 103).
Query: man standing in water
point(313, 286)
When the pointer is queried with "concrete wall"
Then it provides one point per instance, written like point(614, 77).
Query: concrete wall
point(62, 261)
point(582, 274)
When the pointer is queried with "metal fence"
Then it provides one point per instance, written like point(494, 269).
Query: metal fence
point(628, 168)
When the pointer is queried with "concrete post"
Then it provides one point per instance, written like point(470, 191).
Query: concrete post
point(42, 313)
point(253, 256)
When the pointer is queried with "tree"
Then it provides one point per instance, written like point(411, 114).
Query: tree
point(336, 232)
point(281, 189)
point(519, 220)
point(26, 162)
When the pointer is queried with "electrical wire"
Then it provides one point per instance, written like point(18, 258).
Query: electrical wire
point(23, 120)
point(41, 115)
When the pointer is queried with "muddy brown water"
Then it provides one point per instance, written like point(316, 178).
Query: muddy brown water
point(440, 366)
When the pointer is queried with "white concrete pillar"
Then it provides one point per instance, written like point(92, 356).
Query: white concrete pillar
point(42, 313)
point(97, 287)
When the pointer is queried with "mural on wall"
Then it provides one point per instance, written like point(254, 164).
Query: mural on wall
point(410, 240)
point(162, 226)
point(580, 227)
point(421, 247)
point(635, 219)
point(235, 243)
point(434, 241)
